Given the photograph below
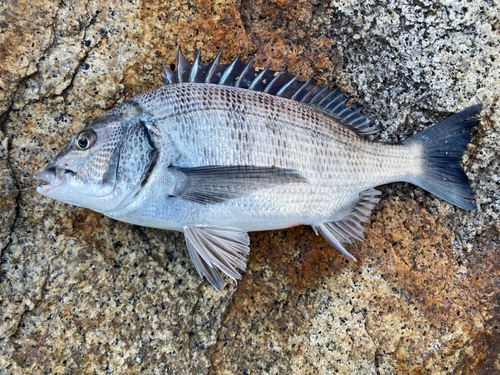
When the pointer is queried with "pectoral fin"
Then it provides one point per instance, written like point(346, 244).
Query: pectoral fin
point(216, 184)
point(350, 227)
point(217, 248)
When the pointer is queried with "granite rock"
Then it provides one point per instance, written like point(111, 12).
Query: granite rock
point(81, 293)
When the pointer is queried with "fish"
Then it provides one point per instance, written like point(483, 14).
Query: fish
point(220, 150)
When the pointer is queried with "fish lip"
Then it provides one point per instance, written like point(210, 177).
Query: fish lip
point(55, 177)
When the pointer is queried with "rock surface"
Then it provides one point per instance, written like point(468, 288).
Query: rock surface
point(83, 293)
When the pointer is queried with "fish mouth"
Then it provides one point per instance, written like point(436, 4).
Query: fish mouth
point(55, 177)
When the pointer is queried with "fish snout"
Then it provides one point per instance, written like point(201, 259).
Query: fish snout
point(54, 177)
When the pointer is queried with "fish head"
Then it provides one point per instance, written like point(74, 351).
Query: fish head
point(104, 163)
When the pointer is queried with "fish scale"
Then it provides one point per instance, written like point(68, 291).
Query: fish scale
point(221, 150)
point(337, 163)
point(317, 144)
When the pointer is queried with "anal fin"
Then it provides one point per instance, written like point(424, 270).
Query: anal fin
point(217, 248)
point(342, 231)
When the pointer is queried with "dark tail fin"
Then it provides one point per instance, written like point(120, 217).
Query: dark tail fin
point(443, 146)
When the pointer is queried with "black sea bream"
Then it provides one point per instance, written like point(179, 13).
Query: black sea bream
point(221, 150)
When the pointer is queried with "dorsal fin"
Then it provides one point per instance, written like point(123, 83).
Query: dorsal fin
point(215, 69)
point(282, 84)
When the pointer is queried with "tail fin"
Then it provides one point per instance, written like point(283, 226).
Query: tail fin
point(443, 146)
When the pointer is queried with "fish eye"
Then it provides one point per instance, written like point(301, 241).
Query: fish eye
point(85, 140)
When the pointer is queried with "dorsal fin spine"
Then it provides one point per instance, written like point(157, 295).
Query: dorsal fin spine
point(213, 67)
point(224, 80)
point(299, 91)
point(327, 98)
point(246, 70)
point(343, 110)
point(311, 93)
point(259, 77)
point(338, 105)
point(276, 79)
point(352, 116)
point(280, 84)
point(318, 95)
point(195, 67)
point(169, 77)
point(286, 86)
point(183, 67)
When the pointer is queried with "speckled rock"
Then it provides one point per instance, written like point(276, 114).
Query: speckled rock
point(83, 293)
point(8, 193)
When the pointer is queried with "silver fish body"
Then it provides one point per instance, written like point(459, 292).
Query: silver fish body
point(250, 128)
point(216, 161)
